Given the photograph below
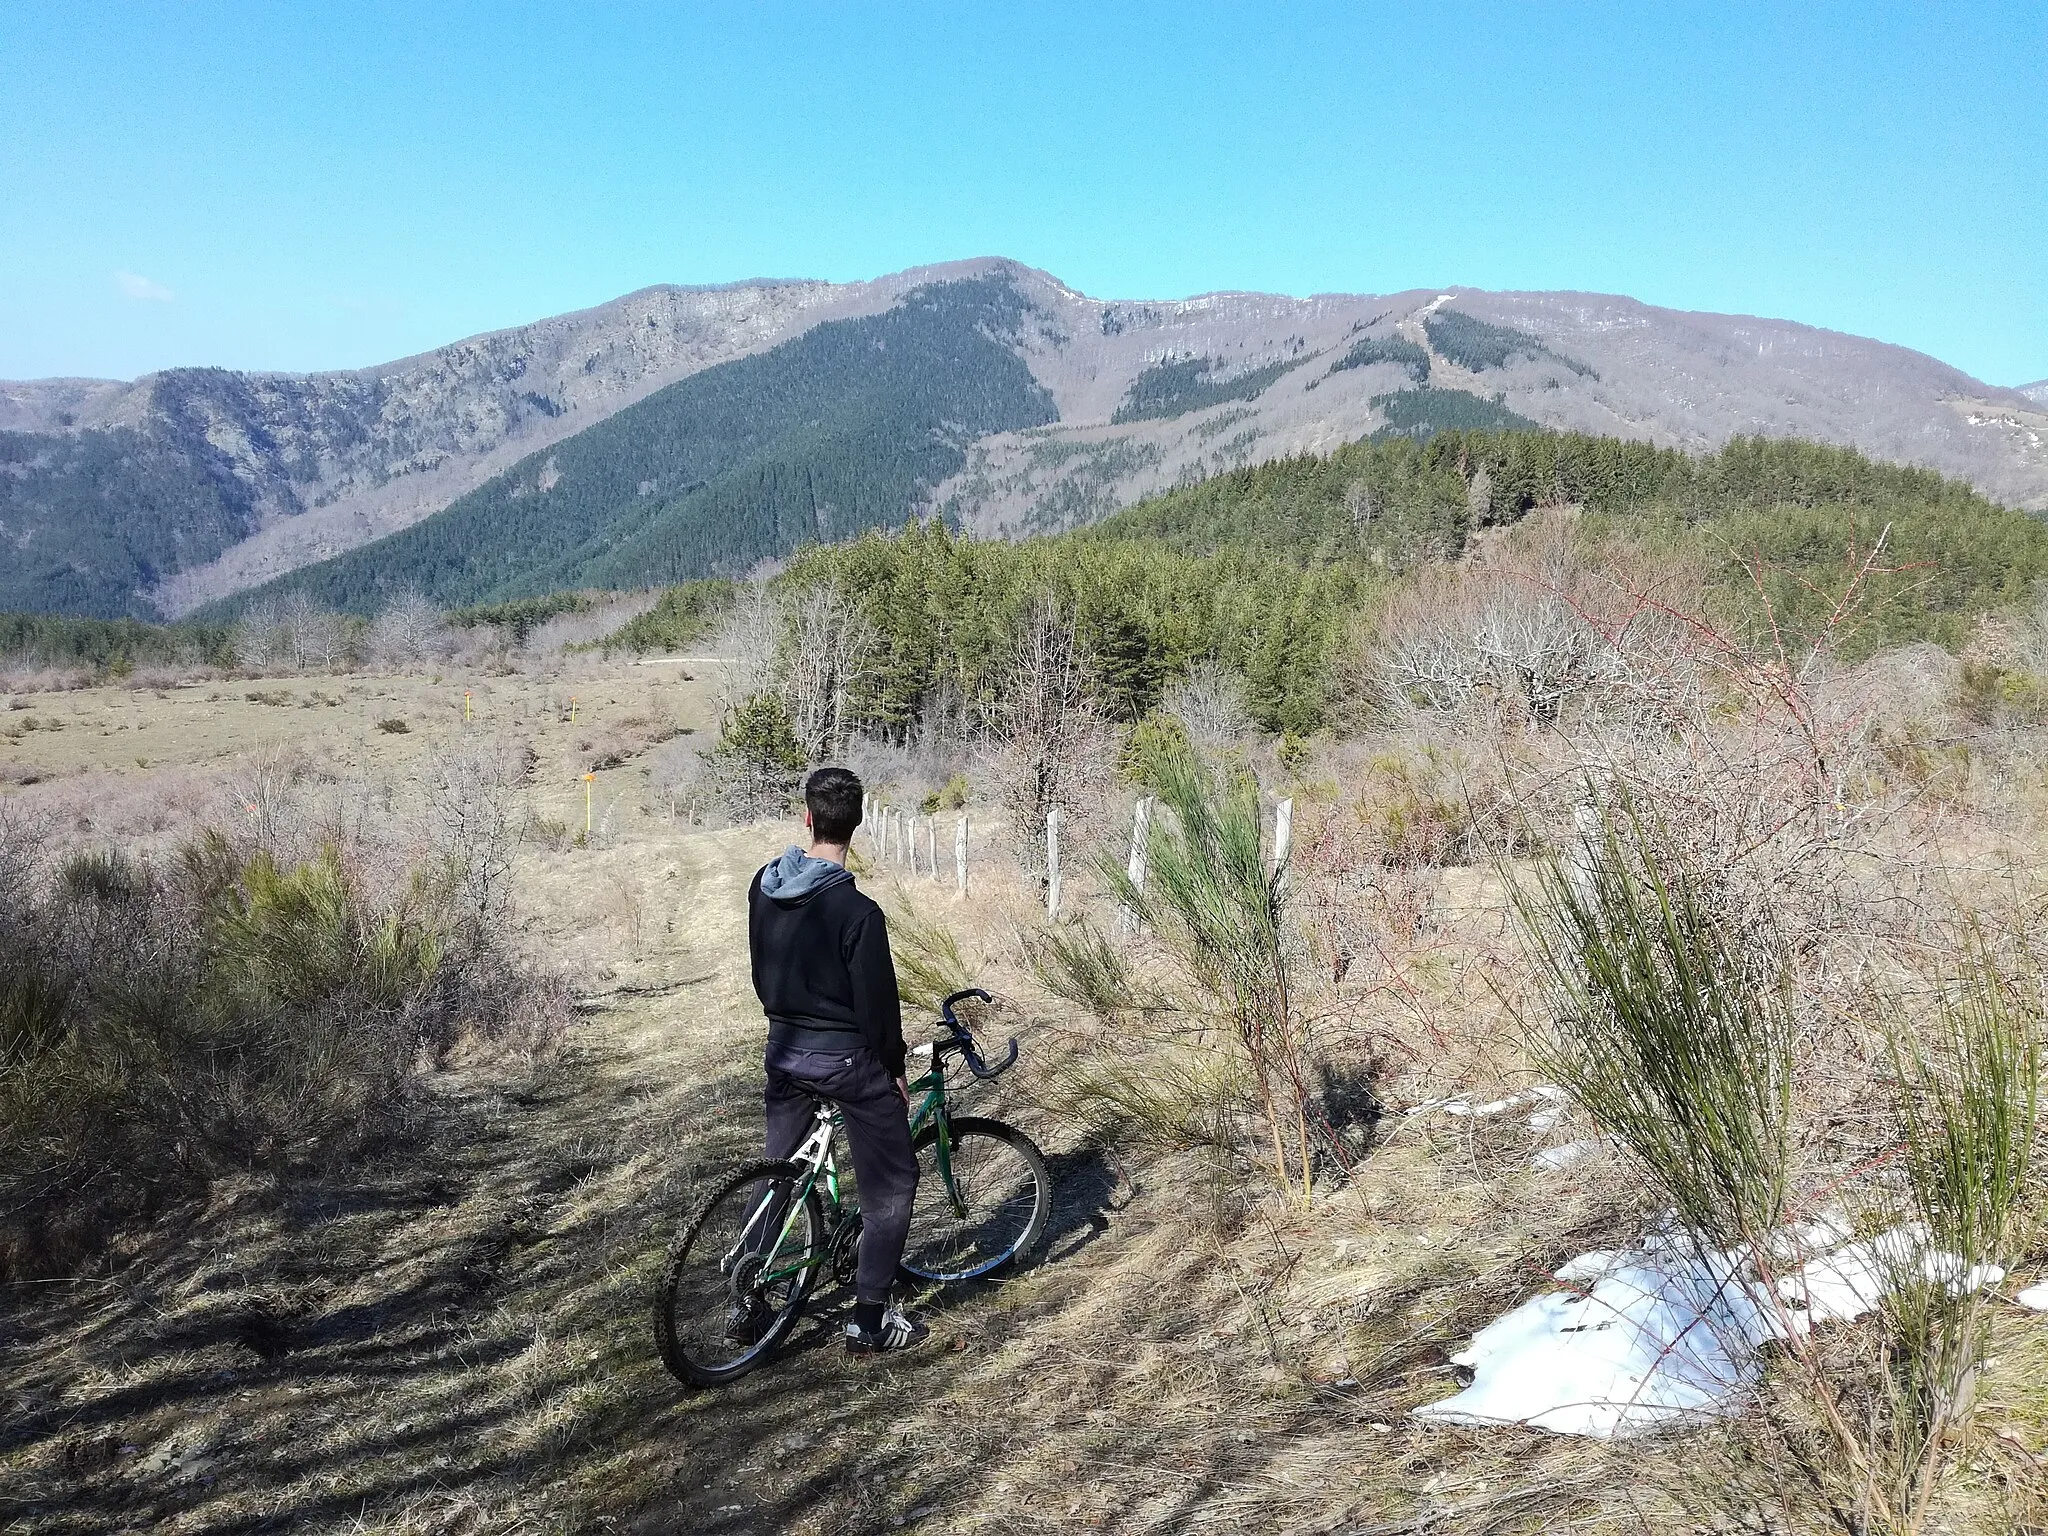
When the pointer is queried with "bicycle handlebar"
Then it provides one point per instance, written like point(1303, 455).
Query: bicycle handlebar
point(963, 1039)
point(946, 1008)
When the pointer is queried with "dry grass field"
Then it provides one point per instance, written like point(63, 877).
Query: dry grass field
point(450, 1334)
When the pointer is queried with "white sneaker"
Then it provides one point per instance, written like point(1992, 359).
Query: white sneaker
point(896, 1332)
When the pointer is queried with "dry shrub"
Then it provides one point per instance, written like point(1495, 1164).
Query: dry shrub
point(254, 998)
point(18, 677)
point(223, 1009)
point(679, 777)
point(1535, 624)
point(928, 773)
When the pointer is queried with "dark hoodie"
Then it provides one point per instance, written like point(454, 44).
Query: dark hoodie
point(821, 959)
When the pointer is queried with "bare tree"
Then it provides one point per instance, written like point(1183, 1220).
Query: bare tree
point(828, 652)
point(747, 646)
point(1050, 743)
point(256, 636)
point(291, 631)
point(409, 629)
point(1509, 627)
point(469, 792)
point(1210, 704)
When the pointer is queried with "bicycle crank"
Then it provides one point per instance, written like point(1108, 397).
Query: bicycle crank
point(842, 1251)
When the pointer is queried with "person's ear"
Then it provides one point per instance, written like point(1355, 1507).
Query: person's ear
point(807, 818)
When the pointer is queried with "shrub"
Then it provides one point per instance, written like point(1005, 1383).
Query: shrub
point(161, 1025)
point(949, 796)
point(1152, 742)
point(1673, 1026)
point(1993, 695)
point(394, 727)
point(1220, 908)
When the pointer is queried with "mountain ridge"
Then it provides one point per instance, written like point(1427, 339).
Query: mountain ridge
point(279, 471)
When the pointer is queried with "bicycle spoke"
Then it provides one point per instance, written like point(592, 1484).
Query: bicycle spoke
point(981, 1209)
point(731, 1288)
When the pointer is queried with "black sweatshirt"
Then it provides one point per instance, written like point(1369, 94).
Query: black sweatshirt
point(821, 964)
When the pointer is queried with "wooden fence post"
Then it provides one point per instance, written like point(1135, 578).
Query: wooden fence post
point(960, 855)
point(931, 846)
point(1283, 838)
point(882, 856)
point(1052, 862)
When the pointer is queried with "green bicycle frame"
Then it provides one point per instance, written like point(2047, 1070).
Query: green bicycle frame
point(933, 1085)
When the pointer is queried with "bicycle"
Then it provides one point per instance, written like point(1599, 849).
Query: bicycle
point(739, 1277)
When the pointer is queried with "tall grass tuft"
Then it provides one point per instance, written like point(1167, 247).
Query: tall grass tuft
point(1220, 908)
point(1164, 1095)
point(1673, 1024)
point(1076, 963)
point(929, 967)
point(1968, 1115)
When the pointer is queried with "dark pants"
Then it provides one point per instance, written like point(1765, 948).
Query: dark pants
point(877, 1125)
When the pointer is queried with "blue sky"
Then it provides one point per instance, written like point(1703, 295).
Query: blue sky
point(316, 186)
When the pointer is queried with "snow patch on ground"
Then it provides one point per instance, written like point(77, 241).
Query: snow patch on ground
point(1668, 1332)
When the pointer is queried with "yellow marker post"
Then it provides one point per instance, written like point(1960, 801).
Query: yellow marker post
point(572, 709)
point(465, 703)
point(586, 805)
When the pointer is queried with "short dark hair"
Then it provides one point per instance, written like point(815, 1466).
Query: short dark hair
point(834, 797)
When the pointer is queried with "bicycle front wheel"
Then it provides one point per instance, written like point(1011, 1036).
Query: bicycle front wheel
point(983, 1198)
point(738, 1277)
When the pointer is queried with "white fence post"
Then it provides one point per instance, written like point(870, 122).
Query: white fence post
point(882, 854)
point(1283, 838)
point(960, 854)
point(909, 832)
point(1052, 862)
point(931, 846)
point(867, 817)
point(1141, 826)
point(1581, 864)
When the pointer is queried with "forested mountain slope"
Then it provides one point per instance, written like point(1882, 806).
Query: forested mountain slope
point(251, 475)
point(1763, 517)
point(844, 428)
point(164, 494)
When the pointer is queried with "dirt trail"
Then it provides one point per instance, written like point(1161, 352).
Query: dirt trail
point(455, 1337)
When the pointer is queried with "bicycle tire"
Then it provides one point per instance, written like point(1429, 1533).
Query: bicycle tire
point(946, 1246)
point(684, 1324)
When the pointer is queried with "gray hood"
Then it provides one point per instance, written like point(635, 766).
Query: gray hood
point(796, 876)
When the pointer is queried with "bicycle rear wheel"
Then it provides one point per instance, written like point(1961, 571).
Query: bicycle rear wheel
point(738, 1277)
point(984, 1210)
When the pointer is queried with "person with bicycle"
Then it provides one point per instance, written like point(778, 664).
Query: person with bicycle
point(822, 970)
